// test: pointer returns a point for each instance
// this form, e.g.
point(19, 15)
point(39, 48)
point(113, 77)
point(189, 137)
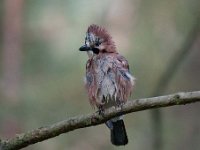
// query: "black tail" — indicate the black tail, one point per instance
point(118, 133)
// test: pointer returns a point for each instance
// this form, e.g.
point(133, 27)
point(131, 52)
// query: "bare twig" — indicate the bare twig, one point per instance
point(43, 133)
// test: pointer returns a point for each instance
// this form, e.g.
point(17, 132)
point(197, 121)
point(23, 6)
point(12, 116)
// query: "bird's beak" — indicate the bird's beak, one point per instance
point(84, 48)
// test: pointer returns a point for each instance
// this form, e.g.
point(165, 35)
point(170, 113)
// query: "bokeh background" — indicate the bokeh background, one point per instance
point(41, 69)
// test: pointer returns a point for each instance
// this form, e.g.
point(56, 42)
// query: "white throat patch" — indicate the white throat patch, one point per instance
point(90, 54)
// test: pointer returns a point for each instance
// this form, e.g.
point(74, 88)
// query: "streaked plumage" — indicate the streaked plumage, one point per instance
point(108, 80)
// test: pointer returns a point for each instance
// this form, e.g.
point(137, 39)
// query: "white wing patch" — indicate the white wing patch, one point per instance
point(132, 79)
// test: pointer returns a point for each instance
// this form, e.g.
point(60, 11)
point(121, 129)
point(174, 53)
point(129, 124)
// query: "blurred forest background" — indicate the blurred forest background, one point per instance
point(41, 69)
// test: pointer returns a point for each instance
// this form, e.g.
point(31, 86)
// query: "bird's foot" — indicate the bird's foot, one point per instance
point(101, 110)
point(120, 105)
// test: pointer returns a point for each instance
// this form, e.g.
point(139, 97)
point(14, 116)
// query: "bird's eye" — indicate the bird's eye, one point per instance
point(97, 43)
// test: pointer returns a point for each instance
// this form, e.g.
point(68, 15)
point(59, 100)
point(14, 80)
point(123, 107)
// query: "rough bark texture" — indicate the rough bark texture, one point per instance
point(43, 133)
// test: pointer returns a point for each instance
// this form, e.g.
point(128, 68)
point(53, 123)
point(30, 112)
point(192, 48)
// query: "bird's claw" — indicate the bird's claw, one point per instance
point(101, 110)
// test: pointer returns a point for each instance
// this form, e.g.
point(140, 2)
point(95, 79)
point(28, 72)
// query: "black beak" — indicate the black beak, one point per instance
point(84, 48)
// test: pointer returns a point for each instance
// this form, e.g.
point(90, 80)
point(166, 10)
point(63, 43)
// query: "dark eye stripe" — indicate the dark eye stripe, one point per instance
point(95, 50)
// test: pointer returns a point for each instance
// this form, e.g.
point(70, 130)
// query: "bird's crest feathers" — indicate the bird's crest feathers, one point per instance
point(104, 35)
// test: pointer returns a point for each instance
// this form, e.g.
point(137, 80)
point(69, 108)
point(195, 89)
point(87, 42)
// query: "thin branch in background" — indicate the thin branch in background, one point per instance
point(44, 133)
point(12, 48)
point(165, 79)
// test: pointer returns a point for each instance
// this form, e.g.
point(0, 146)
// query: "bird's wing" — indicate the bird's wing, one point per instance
point(124, 80)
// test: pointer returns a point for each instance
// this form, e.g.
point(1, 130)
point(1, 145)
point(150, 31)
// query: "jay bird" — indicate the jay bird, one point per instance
point(108, 80)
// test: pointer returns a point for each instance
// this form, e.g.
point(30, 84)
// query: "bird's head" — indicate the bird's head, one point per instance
point(98, 41)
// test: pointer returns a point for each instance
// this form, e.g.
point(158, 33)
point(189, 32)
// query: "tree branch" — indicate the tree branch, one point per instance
point(43, 133)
